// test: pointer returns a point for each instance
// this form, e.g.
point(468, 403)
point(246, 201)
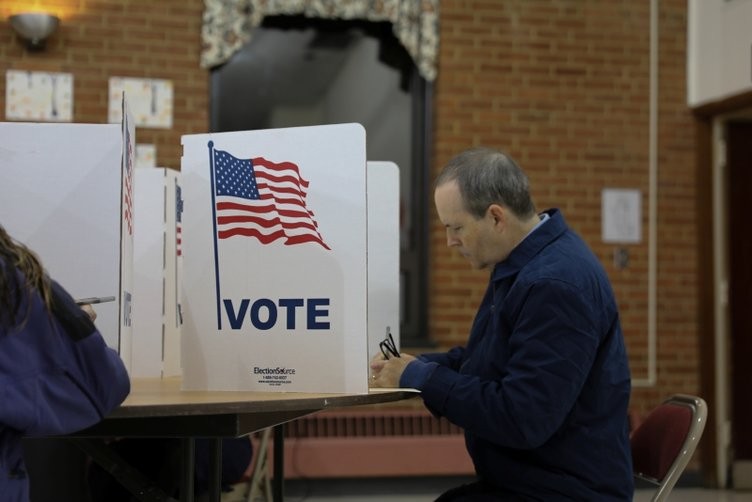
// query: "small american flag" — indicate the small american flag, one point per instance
point(178, 220)
point(262, 199)
point(128, 191)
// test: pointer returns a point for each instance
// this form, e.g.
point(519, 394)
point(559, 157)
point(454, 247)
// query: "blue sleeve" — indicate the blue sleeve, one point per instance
point(57, 374)
point(551, 350)
point(451, 358)
point(417, 373)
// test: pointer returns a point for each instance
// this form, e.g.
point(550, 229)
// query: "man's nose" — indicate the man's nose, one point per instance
point(452, 241)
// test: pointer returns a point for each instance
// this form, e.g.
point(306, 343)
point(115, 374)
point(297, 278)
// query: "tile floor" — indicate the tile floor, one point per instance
point(426, 490)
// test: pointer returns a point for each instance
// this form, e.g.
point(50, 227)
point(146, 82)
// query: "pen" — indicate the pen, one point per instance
point(95, 299)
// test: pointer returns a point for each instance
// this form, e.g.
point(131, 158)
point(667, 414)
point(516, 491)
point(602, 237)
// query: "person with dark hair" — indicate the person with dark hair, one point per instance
point(57, 374)
point(542, 387)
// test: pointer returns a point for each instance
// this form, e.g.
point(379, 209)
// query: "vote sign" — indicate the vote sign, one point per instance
point(274, 249)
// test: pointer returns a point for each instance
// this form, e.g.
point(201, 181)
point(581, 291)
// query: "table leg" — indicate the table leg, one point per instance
point(188, 465)
point(279, 463)
point(215, 472)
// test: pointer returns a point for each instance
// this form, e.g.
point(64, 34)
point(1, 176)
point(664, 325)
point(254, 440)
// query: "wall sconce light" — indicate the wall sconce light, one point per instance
point(34, 28)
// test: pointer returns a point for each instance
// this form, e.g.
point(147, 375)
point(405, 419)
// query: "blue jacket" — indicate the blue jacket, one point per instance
point(542, 387)
point(57, 376)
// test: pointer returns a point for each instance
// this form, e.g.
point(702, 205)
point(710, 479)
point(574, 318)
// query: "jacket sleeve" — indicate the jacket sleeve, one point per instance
point(418, 371)
point(552, 350)
point(451, 358)
point(57, 374)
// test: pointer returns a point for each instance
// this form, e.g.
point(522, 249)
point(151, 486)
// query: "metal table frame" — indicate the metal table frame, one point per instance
point(157, 408)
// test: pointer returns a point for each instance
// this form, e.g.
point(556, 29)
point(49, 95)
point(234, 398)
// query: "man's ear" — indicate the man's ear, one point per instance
point(497, 213)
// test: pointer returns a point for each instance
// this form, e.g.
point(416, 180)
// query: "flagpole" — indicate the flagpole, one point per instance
point(124, 134)
point(214, 222)
point(178, 218)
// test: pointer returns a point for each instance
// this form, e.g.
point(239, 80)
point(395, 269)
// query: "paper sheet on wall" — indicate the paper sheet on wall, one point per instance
point(35, 96)
point(149, 100)
point(621, 216)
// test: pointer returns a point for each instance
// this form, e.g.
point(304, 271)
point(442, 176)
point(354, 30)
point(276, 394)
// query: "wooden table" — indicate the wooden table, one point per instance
point(157, 408)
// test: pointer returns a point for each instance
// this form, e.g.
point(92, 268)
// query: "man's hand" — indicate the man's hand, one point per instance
point(386, 373)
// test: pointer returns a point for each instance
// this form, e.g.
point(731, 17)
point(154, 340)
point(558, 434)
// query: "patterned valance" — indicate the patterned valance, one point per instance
point(229, 24)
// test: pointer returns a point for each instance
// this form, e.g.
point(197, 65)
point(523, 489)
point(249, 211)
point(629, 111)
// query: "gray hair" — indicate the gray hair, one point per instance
point(486, 176)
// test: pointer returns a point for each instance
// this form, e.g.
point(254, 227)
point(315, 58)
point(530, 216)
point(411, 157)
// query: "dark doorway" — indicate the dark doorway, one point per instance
point(299, 71)
point(739, 182)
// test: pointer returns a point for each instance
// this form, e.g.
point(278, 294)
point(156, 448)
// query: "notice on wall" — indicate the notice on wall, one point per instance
point(32, 96)
point(621, 216)
point(146, 155)
point(149, 100)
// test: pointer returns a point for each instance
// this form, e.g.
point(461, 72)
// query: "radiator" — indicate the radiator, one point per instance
point(369, 424)
point(380, 442)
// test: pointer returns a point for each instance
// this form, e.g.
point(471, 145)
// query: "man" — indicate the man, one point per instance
point(542, 387)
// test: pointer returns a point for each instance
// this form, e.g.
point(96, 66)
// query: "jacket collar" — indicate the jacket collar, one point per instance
point(531, 246)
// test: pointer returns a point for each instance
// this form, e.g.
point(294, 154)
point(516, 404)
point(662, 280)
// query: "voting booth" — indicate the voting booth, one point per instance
point(270, 262)
point(66, 193)
point(383, 203)
point(157, 257)
point(274, 250)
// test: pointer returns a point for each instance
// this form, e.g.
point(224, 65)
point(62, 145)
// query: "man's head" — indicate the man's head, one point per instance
point(483, 199)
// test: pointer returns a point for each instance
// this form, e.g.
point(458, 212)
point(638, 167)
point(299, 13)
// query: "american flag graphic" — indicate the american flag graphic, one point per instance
point(127, 308)
point(128, 189)
point(178, 220)
point(262, 199)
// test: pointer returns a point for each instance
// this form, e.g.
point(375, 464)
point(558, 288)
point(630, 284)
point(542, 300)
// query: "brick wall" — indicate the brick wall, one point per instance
point(564, 86)
point(99, 39)
point(561, 84)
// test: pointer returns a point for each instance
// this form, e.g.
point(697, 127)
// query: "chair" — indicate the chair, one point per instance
point(259, 484)
point(665, 440)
